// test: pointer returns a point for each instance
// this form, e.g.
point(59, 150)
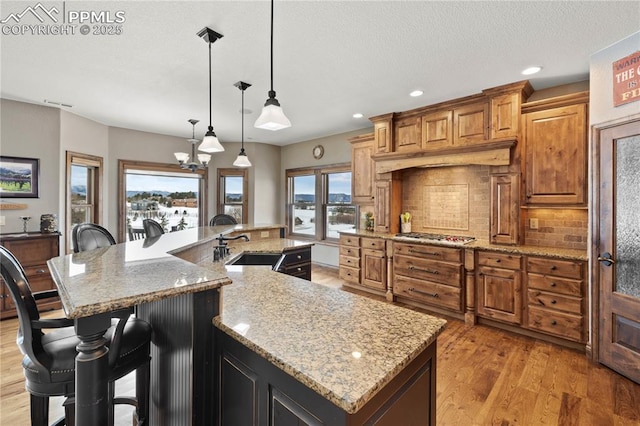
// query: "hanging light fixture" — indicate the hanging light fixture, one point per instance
point(272, 117)
point(242, 160)
point(210, 143)
point(187, 161)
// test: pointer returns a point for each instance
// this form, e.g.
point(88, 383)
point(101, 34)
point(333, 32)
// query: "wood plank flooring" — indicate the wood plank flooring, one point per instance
point(486, 376)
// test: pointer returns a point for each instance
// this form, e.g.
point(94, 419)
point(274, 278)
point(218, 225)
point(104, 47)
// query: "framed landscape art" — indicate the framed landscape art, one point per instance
point(19, 177)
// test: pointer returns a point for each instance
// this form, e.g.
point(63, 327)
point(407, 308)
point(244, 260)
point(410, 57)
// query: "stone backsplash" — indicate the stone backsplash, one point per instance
point(464, 196)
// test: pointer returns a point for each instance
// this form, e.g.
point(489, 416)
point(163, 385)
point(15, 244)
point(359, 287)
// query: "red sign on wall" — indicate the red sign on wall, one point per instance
point(626, 79)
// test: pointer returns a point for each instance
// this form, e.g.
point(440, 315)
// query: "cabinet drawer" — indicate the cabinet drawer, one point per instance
point(292, 258)
point(428, 292)
point(499, 260)
point(561, 324)
point(555, 284)
point(349, 240)
point(37, 271)
point(432, 270)
point(572, 305)
point(351, 275)
point(352, 262)
point(561, 268)
point(301, 271)
point(372, 243)
point(349, 251)
point(446, 254)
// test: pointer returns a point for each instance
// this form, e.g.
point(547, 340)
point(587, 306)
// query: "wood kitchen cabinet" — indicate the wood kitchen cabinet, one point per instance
point(374, 263)
point(387, 203)
point(383, 133)
point(556, 302)
point(349, 259)
point(555, 163)
point(408, 134)
point(362, 169)
point(363, 262)
point(437, 130)
point(504, 225)
point(499, 287)
point(429, 275)
point(471, 124)
point(32, 251)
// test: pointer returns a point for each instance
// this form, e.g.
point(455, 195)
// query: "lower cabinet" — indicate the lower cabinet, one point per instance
point(556, 299)
point(432, 275)
point(363, 262)
point(296, 263)
point(252, 391)
point(499, 287)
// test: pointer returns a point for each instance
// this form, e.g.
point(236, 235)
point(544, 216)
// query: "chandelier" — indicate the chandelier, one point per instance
point(187, 161)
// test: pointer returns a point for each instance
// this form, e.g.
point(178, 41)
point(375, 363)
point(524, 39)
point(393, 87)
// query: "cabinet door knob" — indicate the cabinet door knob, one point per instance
point(554, 267)
point(553, 302)
point(553, 322)
point(497, 260)
point(553, 284)
point(40, 271)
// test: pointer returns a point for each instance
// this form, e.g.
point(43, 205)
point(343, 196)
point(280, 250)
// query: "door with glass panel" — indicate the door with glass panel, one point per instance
point(617, 218)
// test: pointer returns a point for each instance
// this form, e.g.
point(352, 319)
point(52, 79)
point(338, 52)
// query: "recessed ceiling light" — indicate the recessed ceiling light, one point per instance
point(357, 115)
point(416, 93)
point(531, 70)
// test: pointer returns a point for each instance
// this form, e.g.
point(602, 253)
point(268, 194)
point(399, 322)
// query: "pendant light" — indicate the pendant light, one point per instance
point(210, 143)
point(184, 157)
point(272, 117)
point(242, 160)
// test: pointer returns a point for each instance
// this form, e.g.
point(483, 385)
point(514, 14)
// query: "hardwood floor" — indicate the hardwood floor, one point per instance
point(486, 376)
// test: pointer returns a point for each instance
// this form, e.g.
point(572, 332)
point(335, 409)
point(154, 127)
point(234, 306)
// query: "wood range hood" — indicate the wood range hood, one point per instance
point(494, 153)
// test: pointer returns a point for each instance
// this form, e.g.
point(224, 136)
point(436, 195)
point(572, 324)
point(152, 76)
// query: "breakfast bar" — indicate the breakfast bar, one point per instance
point(240, 344)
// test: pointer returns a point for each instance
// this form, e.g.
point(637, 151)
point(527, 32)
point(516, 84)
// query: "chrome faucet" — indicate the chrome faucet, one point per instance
point(222, 250)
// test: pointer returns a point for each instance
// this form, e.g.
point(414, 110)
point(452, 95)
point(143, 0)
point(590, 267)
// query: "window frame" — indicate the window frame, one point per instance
point(97, 164)
point(321, 198)
point(124, 165)
point(226, 172)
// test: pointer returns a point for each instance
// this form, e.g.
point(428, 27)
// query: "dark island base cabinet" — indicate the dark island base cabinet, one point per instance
point(253, 391)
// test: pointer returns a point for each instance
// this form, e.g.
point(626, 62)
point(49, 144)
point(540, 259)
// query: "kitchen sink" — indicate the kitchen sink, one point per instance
point(256, 259)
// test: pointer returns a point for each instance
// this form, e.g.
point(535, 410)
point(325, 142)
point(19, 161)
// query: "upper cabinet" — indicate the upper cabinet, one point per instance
point(382, 132)
point(555, 160)
point(471, 124)
point(437, 130)
point(362, 168)
point(407, 134)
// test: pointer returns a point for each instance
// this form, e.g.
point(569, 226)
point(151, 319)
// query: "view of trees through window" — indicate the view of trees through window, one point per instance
point(172, 201)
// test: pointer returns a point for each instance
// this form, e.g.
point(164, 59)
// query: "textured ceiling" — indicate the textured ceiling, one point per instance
point(331, 59)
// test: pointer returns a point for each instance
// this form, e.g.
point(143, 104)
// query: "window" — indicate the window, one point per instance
point(232, 193)
point(84, 176)
point(319, 202)
point(173, 197)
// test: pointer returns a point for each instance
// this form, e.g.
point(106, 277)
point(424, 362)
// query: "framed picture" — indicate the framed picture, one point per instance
point(19, 177)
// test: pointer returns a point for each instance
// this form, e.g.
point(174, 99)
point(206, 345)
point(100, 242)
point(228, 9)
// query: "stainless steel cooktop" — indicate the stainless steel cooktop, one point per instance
point(455, 239)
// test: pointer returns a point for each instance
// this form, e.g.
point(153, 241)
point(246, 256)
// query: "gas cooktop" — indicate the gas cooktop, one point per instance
point(455, 239)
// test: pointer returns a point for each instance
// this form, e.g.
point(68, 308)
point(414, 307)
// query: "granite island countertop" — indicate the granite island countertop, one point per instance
point(136, 272)
point(343, 346)
point(557, 252)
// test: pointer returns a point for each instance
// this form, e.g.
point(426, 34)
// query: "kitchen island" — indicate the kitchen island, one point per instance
point(317, 351)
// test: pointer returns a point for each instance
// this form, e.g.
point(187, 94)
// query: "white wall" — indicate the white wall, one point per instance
point(265, 185)
point(32, 131)
point(601, 107)
point(337, 149)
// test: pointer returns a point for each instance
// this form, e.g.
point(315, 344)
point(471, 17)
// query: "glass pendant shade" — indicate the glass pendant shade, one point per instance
point(242, 160)
point(204, 158)
point(210, 143)
point(272, 118)
point(182, 157)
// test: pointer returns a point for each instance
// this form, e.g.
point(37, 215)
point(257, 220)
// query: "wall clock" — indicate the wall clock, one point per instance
point(318, 152)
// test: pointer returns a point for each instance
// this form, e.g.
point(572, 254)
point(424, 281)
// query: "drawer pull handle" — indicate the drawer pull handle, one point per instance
point(426, 293)
point(40, 271)
point(554, 267)
point(299, 269)
point(553, 302)
point(430, 253)
point(428, 271)
point(497, 260)
point(553, 284)
point(299, 256)
point(606, 259)
point(553, 322)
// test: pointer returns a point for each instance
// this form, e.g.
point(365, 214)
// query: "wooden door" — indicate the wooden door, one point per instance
point(618, 251)
point(499, 294)
point(504, 225)
point(408, 134)
point(362, 169)
point(437, 130)
point(470, 124)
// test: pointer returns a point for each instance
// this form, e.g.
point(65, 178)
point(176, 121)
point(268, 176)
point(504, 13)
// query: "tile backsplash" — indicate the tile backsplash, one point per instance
point(456, 200)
